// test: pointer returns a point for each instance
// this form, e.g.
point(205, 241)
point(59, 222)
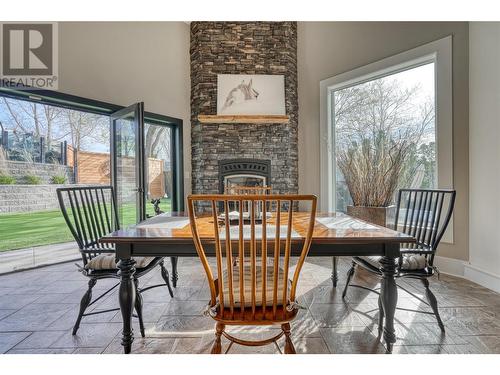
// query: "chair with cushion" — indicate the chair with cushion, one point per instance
point(425, 215)
point(90, 213)
point(256, 290)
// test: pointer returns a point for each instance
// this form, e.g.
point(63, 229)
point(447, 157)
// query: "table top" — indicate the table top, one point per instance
point(330, 228)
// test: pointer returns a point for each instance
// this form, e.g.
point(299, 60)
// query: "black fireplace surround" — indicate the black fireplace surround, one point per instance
point(254, 167)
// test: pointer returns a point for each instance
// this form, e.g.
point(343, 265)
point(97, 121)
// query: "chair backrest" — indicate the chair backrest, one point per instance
point(247, 190)
point(261, 248)
point(425, 215)
point(90, 213)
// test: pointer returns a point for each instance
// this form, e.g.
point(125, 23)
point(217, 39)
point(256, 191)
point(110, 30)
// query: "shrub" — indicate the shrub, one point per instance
point(7, 180)
point(33, 180)
point(58, 180)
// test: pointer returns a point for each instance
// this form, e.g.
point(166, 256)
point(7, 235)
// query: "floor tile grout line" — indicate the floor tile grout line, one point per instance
point(13, 312)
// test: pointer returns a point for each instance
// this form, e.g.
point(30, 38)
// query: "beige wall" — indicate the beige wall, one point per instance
point(484, 144)
point(126, 62)
point(326, 49)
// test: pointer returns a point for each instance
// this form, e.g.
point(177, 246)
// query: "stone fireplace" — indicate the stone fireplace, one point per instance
point(222, 150)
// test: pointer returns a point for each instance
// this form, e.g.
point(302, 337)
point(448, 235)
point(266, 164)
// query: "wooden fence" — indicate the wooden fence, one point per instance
point(94, 168)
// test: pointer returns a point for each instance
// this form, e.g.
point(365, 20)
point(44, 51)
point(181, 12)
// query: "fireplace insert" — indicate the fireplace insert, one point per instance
point(244, 172)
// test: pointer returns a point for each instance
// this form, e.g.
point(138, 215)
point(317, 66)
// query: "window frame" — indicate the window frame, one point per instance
point(440, 53)
point(78, 103)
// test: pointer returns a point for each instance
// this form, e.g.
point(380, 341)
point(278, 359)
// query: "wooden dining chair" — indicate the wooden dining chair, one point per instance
point(90, 213)
point(247, 190)
point(425, 215)
point(257, 290)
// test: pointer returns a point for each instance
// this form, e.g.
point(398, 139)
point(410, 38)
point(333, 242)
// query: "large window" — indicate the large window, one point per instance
point(50, 139)
point(387, 125)
point(385, 135)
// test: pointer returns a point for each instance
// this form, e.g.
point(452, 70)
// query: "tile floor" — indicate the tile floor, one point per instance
point(38, 308)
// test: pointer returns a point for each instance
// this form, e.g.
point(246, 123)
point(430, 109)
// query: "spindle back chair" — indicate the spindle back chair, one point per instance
point(424, 214)
point(90, 213)
point(247, 190)
point(255, 290)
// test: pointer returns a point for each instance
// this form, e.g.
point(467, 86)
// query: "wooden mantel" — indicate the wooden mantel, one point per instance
point(244, 119)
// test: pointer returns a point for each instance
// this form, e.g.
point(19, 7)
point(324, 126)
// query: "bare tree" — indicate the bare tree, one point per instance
point(33, 118)
point(54, 123)
point(17, 121)
point(51, 115)
point(84, 128)
point(157, 145)
point(377, 127)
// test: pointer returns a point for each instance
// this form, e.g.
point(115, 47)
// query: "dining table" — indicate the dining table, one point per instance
point(335, 234)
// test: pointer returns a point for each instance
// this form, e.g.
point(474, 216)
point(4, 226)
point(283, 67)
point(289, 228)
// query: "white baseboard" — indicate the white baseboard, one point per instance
point(460, 268)
point(487, 279)
point(450, 266)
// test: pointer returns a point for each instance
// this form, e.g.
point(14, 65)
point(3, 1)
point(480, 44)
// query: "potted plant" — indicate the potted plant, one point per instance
point(371, 175)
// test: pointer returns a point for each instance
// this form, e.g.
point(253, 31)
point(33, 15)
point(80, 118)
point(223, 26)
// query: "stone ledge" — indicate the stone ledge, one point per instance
point(29, 198)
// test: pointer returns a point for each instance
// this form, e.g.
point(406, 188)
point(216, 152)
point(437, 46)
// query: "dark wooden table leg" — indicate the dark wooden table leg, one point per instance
point(126, 294)
point(389, 299)
point(335, 274)
point(175, 275)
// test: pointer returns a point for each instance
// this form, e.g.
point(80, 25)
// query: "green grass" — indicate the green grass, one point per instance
point(21, 230)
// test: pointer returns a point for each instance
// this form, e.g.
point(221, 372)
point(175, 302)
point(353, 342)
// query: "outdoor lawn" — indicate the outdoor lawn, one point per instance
point(24, 230)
